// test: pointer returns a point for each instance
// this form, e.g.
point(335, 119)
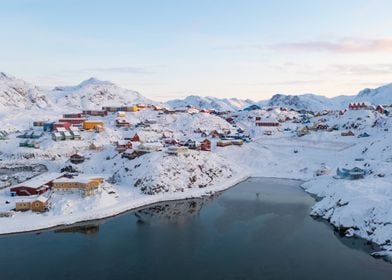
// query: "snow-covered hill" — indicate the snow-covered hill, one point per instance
point(16, 93)
point(93, 94)
point(309, 102)
point(380, 95)
point(220, 105)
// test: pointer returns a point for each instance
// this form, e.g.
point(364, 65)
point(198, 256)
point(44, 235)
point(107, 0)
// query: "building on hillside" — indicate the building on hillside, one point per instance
point(92, 124)
point(347, 133)
point(97, 113)
point(48, 126)
point(192, 144)
point(121, 122)
point(121, 114)
point(95, 146)
point(351, 174)
point(135, 138)
point(237, 142)
point(149, 147)
point(38, 123)
point(359, 106)
point(363, 134)
point(85, 184)
point(123, 145)
point(40, 204)
point(77, 158)
point(171, 142)
point(73, 121)
point(72, 115)
point(176, 150)
point(58, 136)
point(36, 185)
point(205, 145)
point(380, 109)
point(65, 125)
point(267, 122)
point(133, 108)
point(224, 143)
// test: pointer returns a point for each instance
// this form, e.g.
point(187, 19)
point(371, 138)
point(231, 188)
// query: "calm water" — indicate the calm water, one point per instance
point(260, 229)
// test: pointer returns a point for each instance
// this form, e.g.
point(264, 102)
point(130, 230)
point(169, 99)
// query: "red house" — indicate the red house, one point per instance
point(206, 145)
point(66, 125)
point(135, 138)
point(36, 185)
point(123, 145)
point(267, 122)
point(73, 120)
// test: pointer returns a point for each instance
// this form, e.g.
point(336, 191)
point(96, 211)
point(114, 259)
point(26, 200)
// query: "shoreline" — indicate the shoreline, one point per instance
point(141, 202)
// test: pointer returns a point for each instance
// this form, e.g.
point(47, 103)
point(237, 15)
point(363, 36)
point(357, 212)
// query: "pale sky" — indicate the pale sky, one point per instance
point(169, 49)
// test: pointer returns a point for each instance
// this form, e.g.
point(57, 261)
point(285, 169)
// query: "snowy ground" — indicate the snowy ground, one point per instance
point(358, 208)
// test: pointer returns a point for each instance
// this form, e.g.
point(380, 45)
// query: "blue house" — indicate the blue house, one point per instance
point(48, 126)
point(350, 174)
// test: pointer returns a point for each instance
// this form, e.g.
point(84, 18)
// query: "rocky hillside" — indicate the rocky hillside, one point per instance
point(220, 105)
point(16, 93)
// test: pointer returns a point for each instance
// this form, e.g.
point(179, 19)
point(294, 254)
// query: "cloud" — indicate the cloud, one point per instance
point(362, 69)
point(344, 45)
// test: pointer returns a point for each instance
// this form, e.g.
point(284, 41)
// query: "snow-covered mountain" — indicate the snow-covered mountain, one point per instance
point(218, 104)
point(93, 94)
point(380, 95)
point(307, 102)
point(16, 93)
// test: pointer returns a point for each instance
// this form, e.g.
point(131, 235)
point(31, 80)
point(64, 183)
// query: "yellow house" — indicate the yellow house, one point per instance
point(92, 124)
point(87, 186)
point(134, 108)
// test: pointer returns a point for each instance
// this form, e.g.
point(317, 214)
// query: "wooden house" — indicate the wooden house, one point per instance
point(149, 147)
point(121, 122)
point(95, 146)
point(351, 174)
point(48, 126)
point(85, 184)
point(380, 109)
point(267, 122)
point(23, 205)
point(205, 145)
point(176, 150)
point(36, 185)
point(135, 138)
point(216, 134)
point(98, 113)
point(92, 124)
point(192, 144)
point(224, 143)
point(40, 204)
point(77, 158)
point(348, 133)
point(65, 125)
point(71, 116)
point(132, 154)
point(123, 145)
point(73, 121)
point(237, 142)
point(171, 142)
point(57, 136)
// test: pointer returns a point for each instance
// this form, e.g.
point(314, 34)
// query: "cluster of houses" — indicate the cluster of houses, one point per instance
point(37, 191)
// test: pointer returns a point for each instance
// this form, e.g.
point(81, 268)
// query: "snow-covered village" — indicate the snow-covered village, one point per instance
point(96, 150)
point(195, 140)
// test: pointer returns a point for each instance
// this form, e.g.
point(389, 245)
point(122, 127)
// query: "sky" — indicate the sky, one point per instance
point(223, 48)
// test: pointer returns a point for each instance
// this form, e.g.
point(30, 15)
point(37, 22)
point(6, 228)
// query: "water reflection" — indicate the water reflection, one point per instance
point(174, 212)
point(91, 229)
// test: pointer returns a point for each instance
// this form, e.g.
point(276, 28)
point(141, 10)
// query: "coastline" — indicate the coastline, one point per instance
point(9, 226)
